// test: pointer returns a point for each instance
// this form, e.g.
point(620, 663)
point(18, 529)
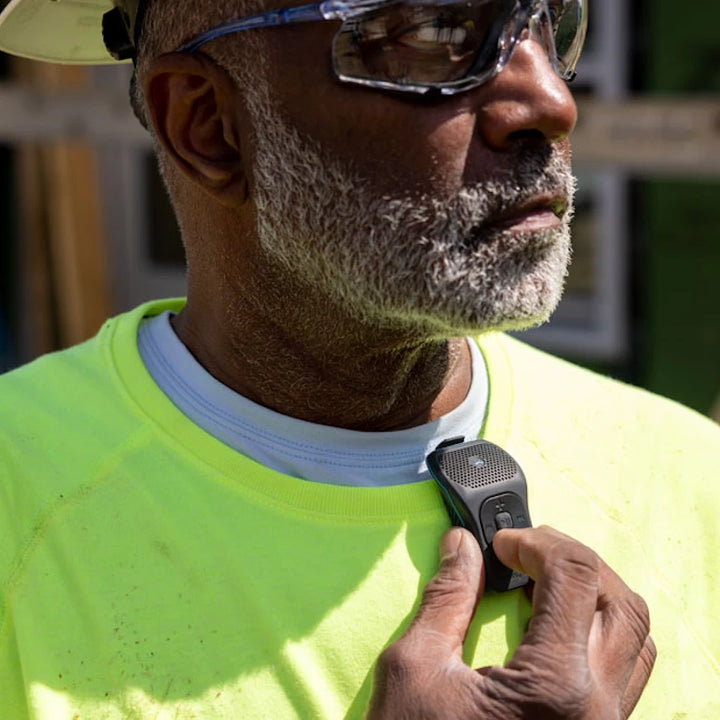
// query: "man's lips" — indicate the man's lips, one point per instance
point(543, 213)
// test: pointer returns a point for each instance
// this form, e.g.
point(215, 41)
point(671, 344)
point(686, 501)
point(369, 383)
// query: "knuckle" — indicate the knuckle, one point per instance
point(571, 559)
point(637, 614)
point(640, 611)
point(649, 654)
point(558, 554)
point(546, 686)
point(394, 662)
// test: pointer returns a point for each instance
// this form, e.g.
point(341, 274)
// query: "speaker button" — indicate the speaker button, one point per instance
point(503, 520)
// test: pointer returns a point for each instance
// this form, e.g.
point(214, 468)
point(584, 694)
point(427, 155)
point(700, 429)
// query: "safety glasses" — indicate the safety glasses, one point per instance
point(443, 46)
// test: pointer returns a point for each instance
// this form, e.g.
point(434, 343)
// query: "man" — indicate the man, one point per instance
point(220, 508)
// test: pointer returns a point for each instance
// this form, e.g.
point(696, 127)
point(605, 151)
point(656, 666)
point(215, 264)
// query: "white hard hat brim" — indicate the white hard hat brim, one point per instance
point(63, 31)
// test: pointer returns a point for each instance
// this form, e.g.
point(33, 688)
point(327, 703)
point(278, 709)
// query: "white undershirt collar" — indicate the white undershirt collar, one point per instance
point(319, 453)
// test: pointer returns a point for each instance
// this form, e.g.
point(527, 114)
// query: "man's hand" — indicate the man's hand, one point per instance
point(587, 654)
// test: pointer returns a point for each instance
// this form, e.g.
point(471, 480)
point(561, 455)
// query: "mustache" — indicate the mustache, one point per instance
point(528, 178)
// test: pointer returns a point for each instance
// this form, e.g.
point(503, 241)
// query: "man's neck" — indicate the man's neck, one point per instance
point(327, 370)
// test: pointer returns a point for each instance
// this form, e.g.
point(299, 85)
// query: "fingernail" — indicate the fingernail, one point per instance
point(450, 544)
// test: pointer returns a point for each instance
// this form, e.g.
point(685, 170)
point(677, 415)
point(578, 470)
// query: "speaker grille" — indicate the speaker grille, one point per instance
point(478, 466)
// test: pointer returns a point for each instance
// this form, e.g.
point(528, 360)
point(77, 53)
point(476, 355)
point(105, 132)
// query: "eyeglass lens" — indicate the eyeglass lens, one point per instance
point(426, 44)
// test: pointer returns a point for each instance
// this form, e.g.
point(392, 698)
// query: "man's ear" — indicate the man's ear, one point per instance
point(193, 110)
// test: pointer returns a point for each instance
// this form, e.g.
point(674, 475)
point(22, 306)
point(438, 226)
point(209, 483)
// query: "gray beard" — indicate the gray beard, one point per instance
point(421, 264)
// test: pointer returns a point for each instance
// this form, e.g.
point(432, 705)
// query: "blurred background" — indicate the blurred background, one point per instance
point(86, 230)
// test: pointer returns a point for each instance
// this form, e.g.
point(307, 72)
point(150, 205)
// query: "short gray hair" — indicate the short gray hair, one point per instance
point(166, 25)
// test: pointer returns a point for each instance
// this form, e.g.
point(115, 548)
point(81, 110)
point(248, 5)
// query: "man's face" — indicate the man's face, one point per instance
point(446, 217)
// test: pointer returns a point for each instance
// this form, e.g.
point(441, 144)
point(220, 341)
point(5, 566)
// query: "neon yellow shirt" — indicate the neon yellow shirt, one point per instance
point(148, 571)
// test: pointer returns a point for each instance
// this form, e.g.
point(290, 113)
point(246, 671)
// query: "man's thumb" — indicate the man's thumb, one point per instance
point(450, 598)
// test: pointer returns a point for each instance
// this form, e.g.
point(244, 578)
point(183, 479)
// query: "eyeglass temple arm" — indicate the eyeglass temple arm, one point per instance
point(326, 10)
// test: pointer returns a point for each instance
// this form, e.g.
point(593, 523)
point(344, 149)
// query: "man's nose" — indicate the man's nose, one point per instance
point(526, 102)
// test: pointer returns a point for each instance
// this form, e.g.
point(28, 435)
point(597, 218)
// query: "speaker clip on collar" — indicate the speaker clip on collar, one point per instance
point(484, 490)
